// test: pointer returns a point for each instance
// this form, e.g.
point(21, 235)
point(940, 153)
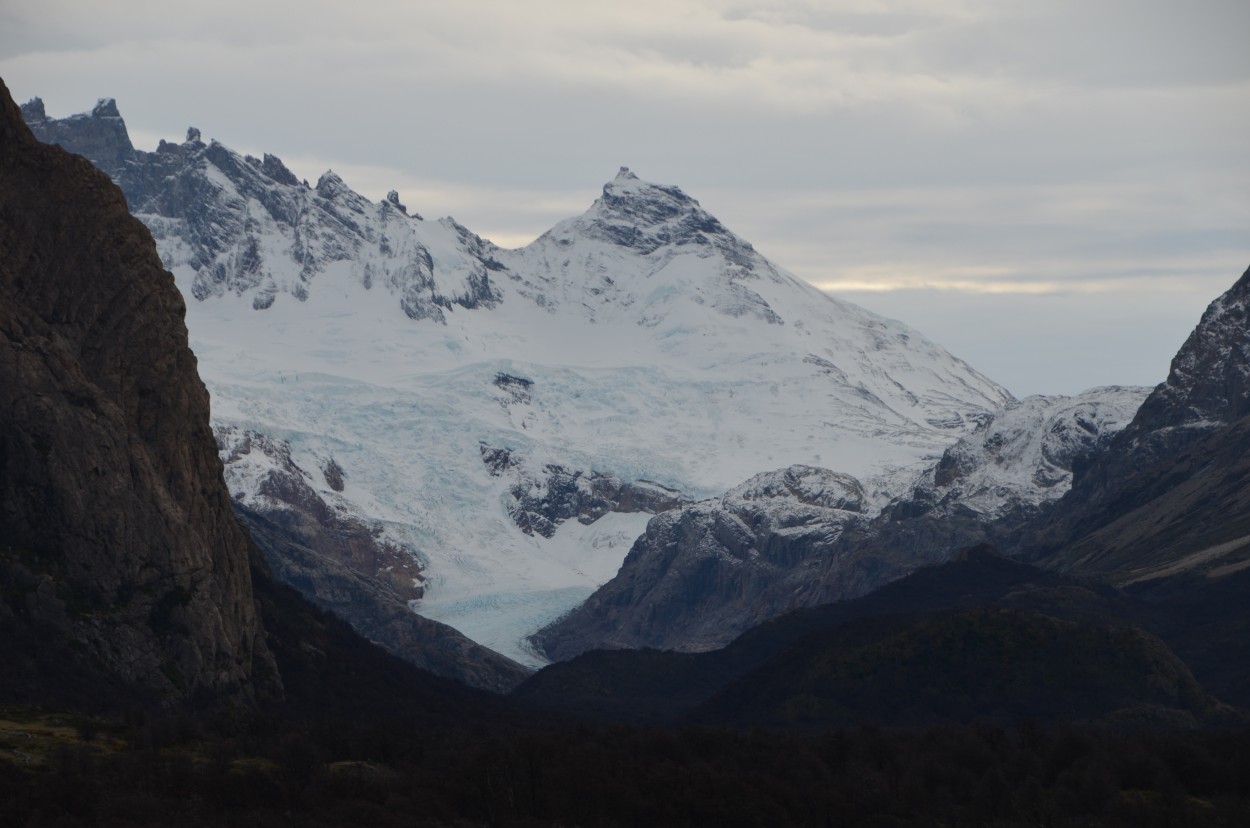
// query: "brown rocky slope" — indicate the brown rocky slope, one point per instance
point(116, 533)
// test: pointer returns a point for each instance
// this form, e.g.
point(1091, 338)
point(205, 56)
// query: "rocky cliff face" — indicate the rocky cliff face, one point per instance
point(376, 609)
point(1171, 491)
point(1209, 381)
point(100, 135)
point(115, 527)
point(1208, 387)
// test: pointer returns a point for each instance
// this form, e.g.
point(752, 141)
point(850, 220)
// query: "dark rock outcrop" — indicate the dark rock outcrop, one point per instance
point(115, 527)
point(1172, 490)
point(542, 500)
point(100, 136)
point(1188, 516)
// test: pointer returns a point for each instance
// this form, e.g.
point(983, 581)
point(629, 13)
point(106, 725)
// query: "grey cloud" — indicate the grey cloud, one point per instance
point(1110, 42)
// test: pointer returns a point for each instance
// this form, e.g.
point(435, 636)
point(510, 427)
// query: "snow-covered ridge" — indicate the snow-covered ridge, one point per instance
point(647, 341)
point(800, 536)
point(1025, 454)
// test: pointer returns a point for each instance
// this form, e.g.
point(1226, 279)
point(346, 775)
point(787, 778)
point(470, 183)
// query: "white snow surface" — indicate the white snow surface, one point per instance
point(659, 345)
point(1024, 455)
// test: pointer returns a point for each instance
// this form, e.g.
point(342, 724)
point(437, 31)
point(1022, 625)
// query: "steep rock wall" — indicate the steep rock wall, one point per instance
point(115, 526)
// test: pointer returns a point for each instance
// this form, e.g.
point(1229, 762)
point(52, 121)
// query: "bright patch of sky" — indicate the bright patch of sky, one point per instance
point(1054, 191)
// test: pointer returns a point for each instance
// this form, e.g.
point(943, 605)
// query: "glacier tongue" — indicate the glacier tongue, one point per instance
point(503, 618)
point(645, 341)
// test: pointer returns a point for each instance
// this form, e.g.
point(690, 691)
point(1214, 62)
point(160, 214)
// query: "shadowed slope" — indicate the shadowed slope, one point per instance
point(115, 526)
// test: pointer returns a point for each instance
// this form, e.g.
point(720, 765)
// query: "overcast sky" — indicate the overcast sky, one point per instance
point(1052, 190)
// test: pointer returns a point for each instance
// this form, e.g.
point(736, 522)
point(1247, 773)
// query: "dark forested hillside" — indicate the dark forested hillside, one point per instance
point(1026, 639)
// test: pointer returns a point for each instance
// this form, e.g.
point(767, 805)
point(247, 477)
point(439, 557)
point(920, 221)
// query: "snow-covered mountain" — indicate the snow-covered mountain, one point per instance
point(472, 399)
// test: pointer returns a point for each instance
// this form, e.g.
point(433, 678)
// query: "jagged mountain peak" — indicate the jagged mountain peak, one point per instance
point(331, 184)
point(273, 167)
point(106, 108)
point(628, 187)
point(651, 255)
point(643, 216)
point(392, 198)
point(1209, 380)
point(33, 110)
point(1170, 484)
point(99, 135)
point(234, 225)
